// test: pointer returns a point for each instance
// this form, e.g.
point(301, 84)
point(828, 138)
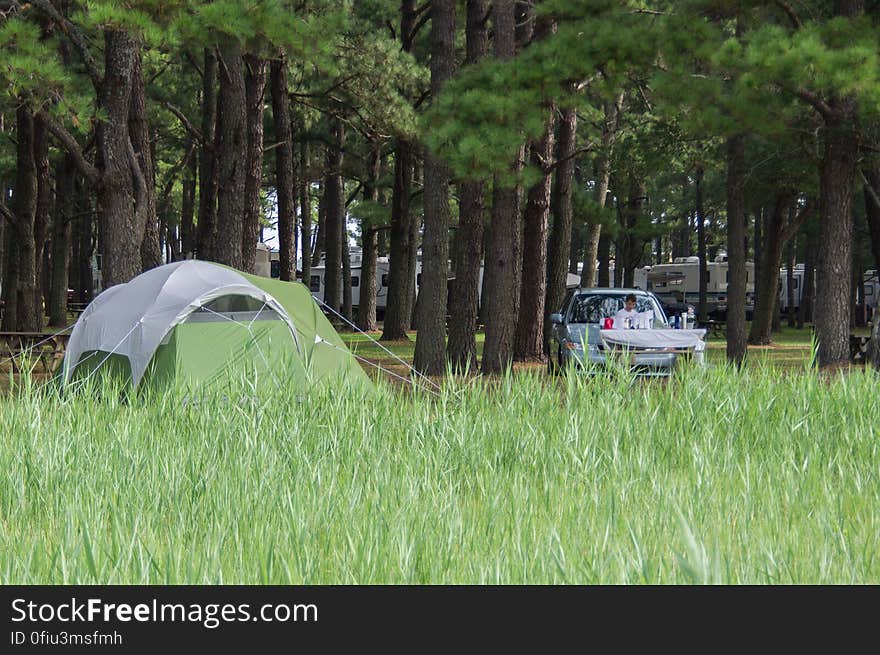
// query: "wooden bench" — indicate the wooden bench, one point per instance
point(46, 347)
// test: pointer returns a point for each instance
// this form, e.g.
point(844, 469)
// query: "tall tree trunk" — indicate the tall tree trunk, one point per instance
point(232, 157)
point(630, 246)
point(768, 285)
point(284, 170)
point(529, 335)
point(10, 277)
point(19, 279)
point(703, 306)
point(305, 210)
point(610, 126)
point(41, 215)
point(559, 244)
point(398, 305)
point(255, 88)
point(65, 208)
point(501, 258)
point(832, 312)
point(836, 229)
point(121, 217)
point(320, 227)
point(187, 208)
point(151, 251)
point(603, 254)
point(431, 339)
point(758, 245)
point(207, 228)
point(335, 217)
point(401, 266)
point(736, 252)
point(346, 308)
point(681, 237)
point(366, 313)
point(465, 297)
point(86, 241)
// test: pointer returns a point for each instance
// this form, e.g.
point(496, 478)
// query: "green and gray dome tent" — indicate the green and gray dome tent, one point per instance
point(197, 321)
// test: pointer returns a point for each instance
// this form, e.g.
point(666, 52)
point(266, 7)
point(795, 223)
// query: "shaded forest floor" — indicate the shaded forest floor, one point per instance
point(790, 349)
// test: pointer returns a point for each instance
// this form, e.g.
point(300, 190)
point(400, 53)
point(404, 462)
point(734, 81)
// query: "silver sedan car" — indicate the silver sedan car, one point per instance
point(575, 339)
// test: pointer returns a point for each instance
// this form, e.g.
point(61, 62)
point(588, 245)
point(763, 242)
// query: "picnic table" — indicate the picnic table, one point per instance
point(716, 328)
point(47, 347)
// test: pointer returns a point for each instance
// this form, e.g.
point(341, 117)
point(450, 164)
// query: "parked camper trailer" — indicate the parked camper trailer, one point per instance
point(678, 283)
point(797, 287)
point(316, 281)
point(267, 265)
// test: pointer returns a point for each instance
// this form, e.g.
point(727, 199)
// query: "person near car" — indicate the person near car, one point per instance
point(626, 317)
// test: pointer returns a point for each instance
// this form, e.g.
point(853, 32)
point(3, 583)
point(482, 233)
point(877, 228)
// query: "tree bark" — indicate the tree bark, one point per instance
point(284, 170)
point(401, 273)
point(65, 208)
point(630, 247)
point(187, 208)
point(758, 244)
point(19, 288)
point(529, 335)
point(559, 244)
point(702, 304)
point(121, 217)
point(305, 210)
point(610, 126)
point(207, 227)
point(335, 217)
point(736, 252)
point(604, 256)
point(255, 88)
point(151, 250)
point(346, 309)
point(320, 226)
point(10, 277)
point(501, 258)
point(232, 157)
point(41, 215)
point(777, 232)
point(832, 312)
point(366, 313)
point(431, 339)
point(398, 305)
point(838, 170)
point(465, 296)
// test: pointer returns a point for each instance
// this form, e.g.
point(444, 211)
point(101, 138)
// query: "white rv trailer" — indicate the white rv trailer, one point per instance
point(316, 281)
point(679, 282)
point(797, 284)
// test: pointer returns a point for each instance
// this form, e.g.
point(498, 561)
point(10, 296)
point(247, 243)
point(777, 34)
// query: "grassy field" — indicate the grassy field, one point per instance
point(759, 476)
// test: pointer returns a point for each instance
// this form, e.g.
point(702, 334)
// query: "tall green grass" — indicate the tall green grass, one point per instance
point(713, 476)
